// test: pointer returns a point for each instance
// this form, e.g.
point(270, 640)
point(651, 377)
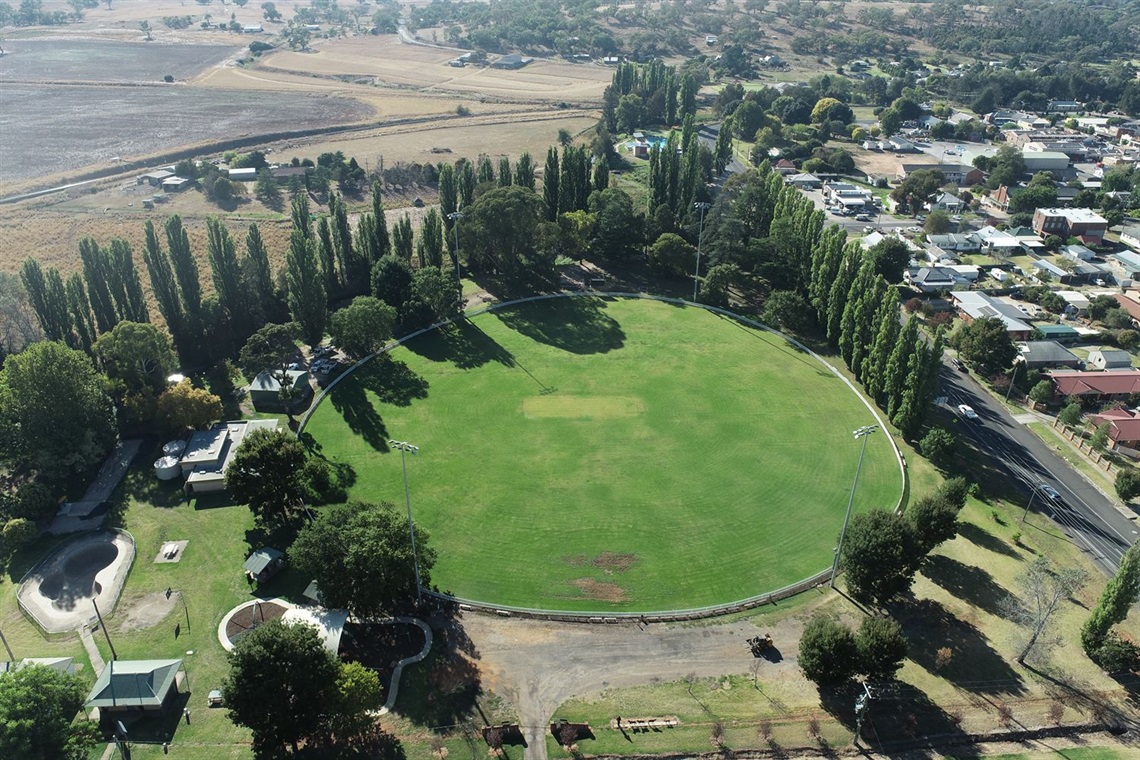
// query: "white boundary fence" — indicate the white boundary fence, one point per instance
point(696, 613)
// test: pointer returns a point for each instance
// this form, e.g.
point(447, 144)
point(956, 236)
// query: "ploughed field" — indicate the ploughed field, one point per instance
point(78, 60)
point(590, 454)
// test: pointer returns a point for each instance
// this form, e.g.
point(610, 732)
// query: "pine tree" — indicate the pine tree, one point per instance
point(524, 172)
point(51, 314)
point(162, 282)
point(306, 282)
point(98, 291)
point(550, 184)
point(402, 236)
point(82, 323)
point(504, 171)
point(185, 267)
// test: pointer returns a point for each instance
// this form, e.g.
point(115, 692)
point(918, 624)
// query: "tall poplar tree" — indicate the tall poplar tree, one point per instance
point(162, 282)
point(126, 288)
point(886, 331)
point(524, 172)
point(98, 290)
point(899, 364)
point(465, 176)
point(225, 272)
point(306, 282)
point(258, 273)
point(402, 236)
point(505, 171)
point(51, 313)
point(827, 257)
point(82, 323)
point(185, 267)
point(431, 238)
point(327, 255)
point(485, 171)
point(382, 245)
point(837, 298)
point(550, 184)
point(448, 193)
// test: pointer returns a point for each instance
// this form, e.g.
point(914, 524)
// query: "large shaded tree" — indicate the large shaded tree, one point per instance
point(361, 557)
point(363, 327)
point(37, 709)
point(54, 414)
point(271, 349)
point(985, 343)
point(265, 474)
point(138, 355)
point(880, 556)
point(498, 234)
point(828, 653)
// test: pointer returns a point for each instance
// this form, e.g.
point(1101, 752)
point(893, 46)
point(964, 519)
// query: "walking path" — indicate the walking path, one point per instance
point(97, 663)
point(394, 688)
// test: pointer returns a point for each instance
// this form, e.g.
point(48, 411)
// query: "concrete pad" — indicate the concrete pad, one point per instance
point(176, 546)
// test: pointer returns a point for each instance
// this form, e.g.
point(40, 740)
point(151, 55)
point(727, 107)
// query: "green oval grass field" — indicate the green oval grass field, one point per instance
point(612, 455)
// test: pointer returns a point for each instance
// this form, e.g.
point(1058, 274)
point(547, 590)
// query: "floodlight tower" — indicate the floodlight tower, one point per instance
point(702, 206)
point(864, 433)
point(405, 449)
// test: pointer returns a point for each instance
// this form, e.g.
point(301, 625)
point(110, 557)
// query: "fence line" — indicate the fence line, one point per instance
point(616, 617)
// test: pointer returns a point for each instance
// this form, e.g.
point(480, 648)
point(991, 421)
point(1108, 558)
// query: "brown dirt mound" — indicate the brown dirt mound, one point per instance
point(614, 563)
point(600, 590)
point(575, 560)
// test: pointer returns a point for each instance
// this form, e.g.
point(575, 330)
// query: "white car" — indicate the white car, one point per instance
point(967, 411)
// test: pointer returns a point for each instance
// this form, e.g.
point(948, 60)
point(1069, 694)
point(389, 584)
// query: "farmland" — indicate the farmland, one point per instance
point(54, 60)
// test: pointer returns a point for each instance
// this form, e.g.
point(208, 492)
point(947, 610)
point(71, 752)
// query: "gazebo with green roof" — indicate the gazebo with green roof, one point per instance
point(127, 687)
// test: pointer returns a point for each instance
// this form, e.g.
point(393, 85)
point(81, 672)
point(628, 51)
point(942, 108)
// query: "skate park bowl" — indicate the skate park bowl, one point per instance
point(61, 591)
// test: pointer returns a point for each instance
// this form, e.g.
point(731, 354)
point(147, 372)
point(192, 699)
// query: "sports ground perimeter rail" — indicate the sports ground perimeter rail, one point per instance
point(696, 613)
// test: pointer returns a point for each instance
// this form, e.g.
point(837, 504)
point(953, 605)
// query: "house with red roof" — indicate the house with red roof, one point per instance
point(1112, 385)
point(1123, 427)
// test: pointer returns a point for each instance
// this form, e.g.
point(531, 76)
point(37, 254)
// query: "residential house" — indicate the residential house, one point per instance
point(898, 144)
point(955, 242)
point(954, 174)
point(1130, 236)
point(155, 178)
point(805, 181)
point(1047, 270)
point(285, 174)
point(1110, 385)
point(1076, 304)
point(1042, 354)
point(1028, 239)
point(127, 688)
point(973, 305)
point(785, 167)
point(946, 202)
point(1082, 223)
point(968, 272)
point(934, 279)
point(997, 242)
point(1109, 358)
point(176, 184)
point(264, 563)
point(1123, 430)
point(1129, 300)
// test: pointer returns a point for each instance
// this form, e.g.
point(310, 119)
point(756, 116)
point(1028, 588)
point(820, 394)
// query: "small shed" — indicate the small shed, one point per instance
point(264, 563)
point(265, 390)
point(176, 184)
point(247, 174)
point(1109, 358)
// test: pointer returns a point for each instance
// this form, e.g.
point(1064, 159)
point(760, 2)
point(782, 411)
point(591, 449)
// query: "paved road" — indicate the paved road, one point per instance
point(1089, 518)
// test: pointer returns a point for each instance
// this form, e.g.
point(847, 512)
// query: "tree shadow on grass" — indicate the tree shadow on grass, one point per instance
point(910, 721)
point(577, 325)
point(444, 689)
point(391, 381)
point(463, 344)
point(973, 664)
point(971, 584)
point(984, 540)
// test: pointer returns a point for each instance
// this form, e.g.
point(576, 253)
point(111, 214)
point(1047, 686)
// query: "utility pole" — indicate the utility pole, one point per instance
point(1012, 377)
point(864, 433)
point(11, 656)
point(405, 449)
point(700, 235)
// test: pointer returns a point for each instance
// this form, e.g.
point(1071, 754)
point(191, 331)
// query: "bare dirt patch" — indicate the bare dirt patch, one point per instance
point(600, 590)
point(614, 563)
point(575, 560)
point(149, 610)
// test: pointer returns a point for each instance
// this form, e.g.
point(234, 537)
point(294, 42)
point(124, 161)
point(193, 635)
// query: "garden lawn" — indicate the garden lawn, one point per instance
point(590, 454)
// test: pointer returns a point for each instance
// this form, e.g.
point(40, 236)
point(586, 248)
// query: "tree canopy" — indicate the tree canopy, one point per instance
point(54, 414)
point(986, 344)
point(361, 557)
point(37, 708)
point(363, 327)
point(265, 473)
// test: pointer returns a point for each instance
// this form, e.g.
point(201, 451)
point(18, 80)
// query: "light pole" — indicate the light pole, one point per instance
point(455, 216)
point(405, 449)
point(1032, 496)
point(864, 433)
point(700, 235)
